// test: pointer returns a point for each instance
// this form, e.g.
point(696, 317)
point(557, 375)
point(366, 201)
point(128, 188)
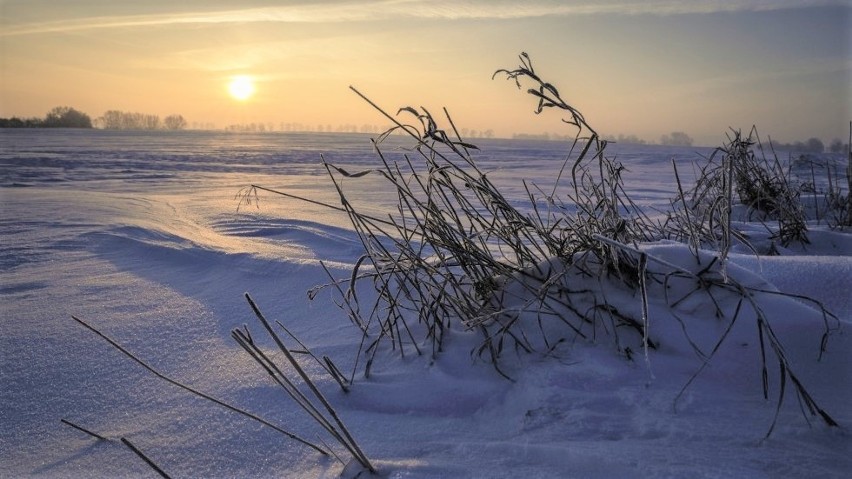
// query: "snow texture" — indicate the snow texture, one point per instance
point(139, 235)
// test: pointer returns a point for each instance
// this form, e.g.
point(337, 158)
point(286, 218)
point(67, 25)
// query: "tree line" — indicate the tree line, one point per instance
point(813, 145)
point(124, 120)
point(679, 138)
point(67, 117)
point(59, 117)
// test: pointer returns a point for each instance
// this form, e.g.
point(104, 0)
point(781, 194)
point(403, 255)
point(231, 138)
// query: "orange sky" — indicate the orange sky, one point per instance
point(632, 66)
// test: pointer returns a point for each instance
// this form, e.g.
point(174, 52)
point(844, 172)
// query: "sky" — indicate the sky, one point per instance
point(633, 67)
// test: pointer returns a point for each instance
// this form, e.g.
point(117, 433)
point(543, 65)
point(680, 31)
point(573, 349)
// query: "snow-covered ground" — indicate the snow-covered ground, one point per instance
point(139, 235)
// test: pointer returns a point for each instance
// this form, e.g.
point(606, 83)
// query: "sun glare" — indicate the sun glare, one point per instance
point(241, 87)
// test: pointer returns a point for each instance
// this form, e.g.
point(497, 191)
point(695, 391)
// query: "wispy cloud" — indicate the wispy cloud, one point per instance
point(375, 10)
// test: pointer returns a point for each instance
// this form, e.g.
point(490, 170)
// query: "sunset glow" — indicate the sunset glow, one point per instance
point(634, 67)
point(241, 87)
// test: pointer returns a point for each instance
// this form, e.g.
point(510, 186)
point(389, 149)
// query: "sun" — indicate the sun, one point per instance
point(241, 87)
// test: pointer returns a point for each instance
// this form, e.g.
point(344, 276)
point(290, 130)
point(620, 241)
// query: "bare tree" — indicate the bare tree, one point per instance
point(174, 122)
point(67, 117)
point(676, 138)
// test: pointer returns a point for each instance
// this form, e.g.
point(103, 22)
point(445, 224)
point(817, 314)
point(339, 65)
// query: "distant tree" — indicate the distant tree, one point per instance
point(66, 117)
point(630, 140)
point(151, 122)
point(676, 138)
point(135, 121)
point(174, 122)
point(111, 120)
point(16, 122)
point(814, 145)
point(837, 146)
point(122, 120)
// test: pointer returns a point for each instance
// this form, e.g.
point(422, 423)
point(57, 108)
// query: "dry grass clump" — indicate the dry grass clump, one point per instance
point(456, 251)
point(827, 201)
point(763, 186)
point(741, 180)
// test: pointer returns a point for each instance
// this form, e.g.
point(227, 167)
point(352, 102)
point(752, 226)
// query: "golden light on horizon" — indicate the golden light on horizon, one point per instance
point(241, 87)
point(256, 56)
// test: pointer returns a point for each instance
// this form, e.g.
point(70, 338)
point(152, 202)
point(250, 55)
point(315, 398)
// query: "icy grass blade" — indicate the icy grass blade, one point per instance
point(124, 441)
point(82, 429)
point(346, 440)
point(643, 288)
point(145, 458)
point(325, 363)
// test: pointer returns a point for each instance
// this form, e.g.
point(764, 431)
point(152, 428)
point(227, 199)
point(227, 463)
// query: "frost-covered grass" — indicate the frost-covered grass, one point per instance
point(555, 329)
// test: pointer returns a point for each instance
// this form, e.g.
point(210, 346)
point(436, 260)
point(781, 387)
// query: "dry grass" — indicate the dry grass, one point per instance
point(458, 252)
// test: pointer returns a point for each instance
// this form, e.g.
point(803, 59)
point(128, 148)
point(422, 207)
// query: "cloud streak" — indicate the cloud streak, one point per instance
point(383, 10)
